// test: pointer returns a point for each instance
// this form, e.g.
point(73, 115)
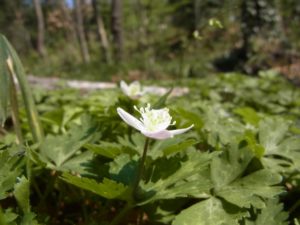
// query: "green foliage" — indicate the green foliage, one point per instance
point(9, 172)
point(249, 115)
point(108, 188)
point(271, 214)
point(250, 190)
point(231, 184)
point(62, 152)
point(238, 165)
point(4, 82)
point(18, 72)
point(106, 149)
point(7, 217)
point(176, 177)
point(21, 193)
point(209, 212)
point(280, 149)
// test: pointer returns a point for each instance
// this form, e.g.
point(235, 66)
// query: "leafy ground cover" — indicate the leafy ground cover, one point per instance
point(239, 164)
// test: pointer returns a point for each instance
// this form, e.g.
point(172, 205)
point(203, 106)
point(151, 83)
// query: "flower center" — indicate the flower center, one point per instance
point(155, 120)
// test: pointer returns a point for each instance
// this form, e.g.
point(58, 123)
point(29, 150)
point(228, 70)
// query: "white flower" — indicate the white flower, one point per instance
point(133, 90)
point(153, 123)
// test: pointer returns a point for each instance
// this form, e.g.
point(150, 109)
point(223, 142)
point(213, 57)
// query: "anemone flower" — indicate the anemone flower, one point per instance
point(153, 123)
point(133, 90)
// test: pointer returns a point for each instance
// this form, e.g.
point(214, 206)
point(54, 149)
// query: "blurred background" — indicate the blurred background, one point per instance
point(110, 40)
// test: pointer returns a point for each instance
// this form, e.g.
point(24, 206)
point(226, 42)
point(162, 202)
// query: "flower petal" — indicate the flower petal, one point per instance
point(130, 120)
point(180, 131)
point(165, 134)
point(159, 135)
point(124, 87)
point(135, 83)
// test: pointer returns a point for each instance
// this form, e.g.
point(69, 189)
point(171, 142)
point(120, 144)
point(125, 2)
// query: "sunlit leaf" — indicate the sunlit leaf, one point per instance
point(9, 171)
point(21, 192)
point(55, 151)
point(107, 188)
point(208, 212)
point(175, 177)
point(272, 214)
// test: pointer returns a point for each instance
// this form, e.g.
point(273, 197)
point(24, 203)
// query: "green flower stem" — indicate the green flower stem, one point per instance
point(121, 215)
point(135, 192)
point(29, 105)
point(15, 108)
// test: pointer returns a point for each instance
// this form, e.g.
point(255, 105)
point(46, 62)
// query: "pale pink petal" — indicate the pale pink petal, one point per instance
point(130, 120)
point(159, 135)
point(165, 134)
point(180, 131)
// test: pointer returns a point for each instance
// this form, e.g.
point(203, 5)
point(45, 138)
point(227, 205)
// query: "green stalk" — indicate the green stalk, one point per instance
point(121, 215)
point(15, 107)
point(15, 115)
point(135, 192)
point(29, 104)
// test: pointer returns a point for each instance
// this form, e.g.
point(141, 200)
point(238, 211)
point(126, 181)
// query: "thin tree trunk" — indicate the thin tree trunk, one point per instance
point(117, 30)
point(71, 35)
point(80, 30)
point(102, 33)
point(41, 28)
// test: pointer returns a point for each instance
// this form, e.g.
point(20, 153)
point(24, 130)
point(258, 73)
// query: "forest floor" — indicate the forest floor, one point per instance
point(50, 83)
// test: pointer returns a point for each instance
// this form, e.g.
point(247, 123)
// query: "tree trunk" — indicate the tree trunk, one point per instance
point(102, 33)
point(41, 28)
point(80, 30)
point(71, 33)
point(117, 31)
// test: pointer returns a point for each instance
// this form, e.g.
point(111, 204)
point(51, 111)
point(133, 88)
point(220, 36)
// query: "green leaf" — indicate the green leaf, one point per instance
point(252, 189)
point(249, 115)
point(162, 101)
point(220, 127)
point(272, 214)
point(29, 219)
point(22, 195)
point(7, 217)
point(171, 146)
point(123, 169)
point(9, 171)
point(208, 212)
point(56, 151)
point(271, 132)
point(257, 148)
point(230, 165)
point(214, 22)
point(230, 183)
point(178, 177)
point(32, 115)
point(108, 188)
point(193, 117)
point(106, 149)
point(70, 112)
point(282, 152)
point(178, 147)
point(4, 82)
point(21, 192)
